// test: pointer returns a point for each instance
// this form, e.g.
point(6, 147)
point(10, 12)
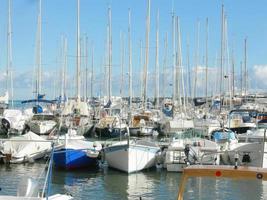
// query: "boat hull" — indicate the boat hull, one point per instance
point(109, 133)
point(131, 158)
point(73, 159)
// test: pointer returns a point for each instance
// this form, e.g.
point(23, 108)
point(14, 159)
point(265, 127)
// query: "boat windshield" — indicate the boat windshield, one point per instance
point(224, 135)
point(43, 117)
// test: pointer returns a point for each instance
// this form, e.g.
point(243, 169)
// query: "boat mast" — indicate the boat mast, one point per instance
point(122, 63)
point(146, 56)
point(173, 58)
point(180, 68)
point(110, 54)
point(62, 59)
point(9, 54)
point(207, 37)
point(221, 59)
point(92, 73)
point(188, 94)
point(233, 74)
point(165, 64)
point(39, 51)
point(196, 59)
point(141, 70)
point(245, 67)
point(78, 73)
point(130, 59)
point(157, 65)
point(86, 68)
point(65, 67)
point(241, 78)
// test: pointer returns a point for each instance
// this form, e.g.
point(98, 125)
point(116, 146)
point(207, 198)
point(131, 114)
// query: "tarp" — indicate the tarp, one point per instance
point(22, 149)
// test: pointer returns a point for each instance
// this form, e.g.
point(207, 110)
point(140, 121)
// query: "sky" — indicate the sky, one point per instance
point(246, 19)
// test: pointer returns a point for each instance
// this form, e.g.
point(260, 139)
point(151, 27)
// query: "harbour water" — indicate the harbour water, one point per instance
point(106, 183)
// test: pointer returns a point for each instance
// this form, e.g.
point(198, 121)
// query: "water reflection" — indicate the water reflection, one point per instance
point(149, 184)
point(208, 188)
point(112, 185)
point(12, 174)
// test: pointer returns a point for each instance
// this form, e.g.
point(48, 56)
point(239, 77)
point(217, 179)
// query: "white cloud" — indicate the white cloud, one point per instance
point(259, 75)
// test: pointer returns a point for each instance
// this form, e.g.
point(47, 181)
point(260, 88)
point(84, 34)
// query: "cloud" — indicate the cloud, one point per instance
point(260, 74)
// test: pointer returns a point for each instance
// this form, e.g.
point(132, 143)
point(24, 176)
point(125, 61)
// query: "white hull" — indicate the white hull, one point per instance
point(131, 158)
point(178, 124)
point(254, 150)
point(53, 197)
point(42, 127)
point(201, 151)
point(30, 148)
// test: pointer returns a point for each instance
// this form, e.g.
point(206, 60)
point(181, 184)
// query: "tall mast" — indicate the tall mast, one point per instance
point(130, 59)
point(196, 59)
point(147, 55)
point(9, 54)
point(62, 62)
point(173, 58)
point(165, 63)
point(180, 63)
point(221, 59)
point(241, 78)
point(122, 63)
point(78, 73)
point(92, 73)
point(207, 37)
point(141, 69)
point(233, 74)
point(110, 54)
point(245, 67)
point(39, 51)
point(177, 74)
point(188, 72)
point(157, 63)
point(86, 68)
point(65, 67)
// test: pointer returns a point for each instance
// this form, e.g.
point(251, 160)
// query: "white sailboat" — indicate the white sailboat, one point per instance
point(133, 155)
point(43, 123)
point(76, 112)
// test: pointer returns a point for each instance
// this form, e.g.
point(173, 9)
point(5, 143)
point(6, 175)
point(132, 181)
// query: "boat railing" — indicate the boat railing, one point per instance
point(237, 155)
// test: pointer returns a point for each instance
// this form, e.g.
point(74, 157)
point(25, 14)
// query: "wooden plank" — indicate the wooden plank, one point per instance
point(215, 171)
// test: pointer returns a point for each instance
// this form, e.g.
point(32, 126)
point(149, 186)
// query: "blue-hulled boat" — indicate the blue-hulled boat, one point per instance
point(76, 152)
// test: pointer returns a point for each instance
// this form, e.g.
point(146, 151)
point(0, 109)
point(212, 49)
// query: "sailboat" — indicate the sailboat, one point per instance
point(76, 152)
point(133, 155)
point(12, 120)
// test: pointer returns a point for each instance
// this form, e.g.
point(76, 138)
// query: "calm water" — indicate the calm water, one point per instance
point(111, 184)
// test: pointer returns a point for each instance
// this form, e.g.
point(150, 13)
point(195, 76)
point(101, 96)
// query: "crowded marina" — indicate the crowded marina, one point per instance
point(181, 122)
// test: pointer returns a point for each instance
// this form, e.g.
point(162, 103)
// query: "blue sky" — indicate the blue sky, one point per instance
point(245, 19)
